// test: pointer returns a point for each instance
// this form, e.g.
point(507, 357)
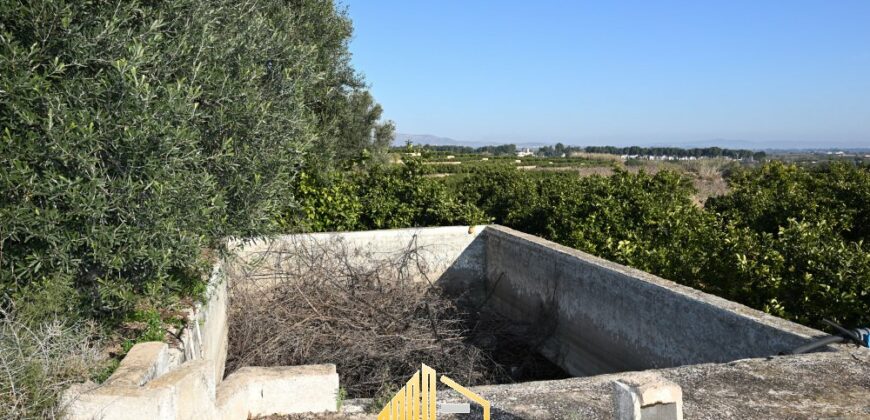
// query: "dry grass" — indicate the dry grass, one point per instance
point(706, 188)
point(37, 364)
point(706, 174)
point(605, 157)
point(595, 170)
point(707, 177)
point(707, 168)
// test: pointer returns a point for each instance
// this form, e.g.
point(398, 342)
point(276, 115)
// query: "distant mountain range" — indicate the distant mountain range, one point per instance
point(401, 138)
point(421, 139)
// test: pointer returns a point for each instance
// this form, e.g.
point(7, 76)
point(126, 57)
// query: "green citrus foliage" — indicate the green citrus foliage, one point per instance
point(795, 242)
point(786, 239)
point(382, 197)
point(646, 221)
point(134, 134)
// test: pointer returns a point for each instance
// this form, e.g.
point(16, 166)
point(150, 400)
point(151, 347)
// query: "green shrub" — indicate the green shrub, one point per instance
point(646, 221)
point(404, 197)
point(787, 240)
point(805, 272)
point(326, 203)
point(381, 197)
point(504, 194)
point(764, 199)
point(135, 134)
point(796, 242)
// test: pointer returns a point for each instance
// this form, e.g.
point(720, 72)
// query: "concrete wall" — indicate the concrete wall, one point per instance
point(605, 317)
point(600, 316)
point(597, 316)
point(454, 256)
point(206, 334)
point(185, 380)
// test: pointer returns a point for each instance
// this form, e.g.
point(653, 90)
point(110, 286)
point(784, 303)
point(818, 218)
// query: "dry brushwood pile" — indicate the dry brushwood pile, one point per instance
point(376, 319)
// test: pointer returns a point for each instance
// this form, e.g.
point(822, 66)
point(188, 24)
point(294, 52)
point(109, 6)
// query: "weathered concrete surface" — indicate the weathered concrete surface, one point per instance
point(818, 385)
point(186, 392)
point(603, 317)
point(262, 391)
point(144, 362)
point(189, 392)
point(206, 335)
point(646, 396)
point(809, 386)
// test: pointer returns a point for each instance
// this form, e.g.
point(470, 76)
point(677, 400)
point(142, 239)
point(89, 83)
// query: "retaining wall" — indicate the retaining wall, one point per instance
point(606, 317)
point(185, 379)
point(598, 317)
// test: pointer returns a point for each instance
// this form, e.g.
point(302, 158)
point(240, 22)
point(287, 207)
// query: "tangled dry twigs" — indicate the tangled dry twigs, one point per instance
point(376, 319)
point(38, 362)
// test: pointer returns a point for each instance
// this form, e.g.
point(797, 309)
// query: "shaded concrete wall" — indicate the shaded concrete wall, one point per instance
point(603, 317)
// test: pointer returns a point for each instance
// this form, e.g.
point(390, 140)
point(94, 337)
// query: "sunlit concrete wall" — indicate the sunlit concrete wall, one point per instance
point(453, 256)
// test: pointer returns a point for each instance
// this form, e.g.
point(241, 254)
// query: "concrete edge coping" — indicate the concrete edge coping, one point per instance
point(738, 309)
point(189, 391)
point(235, 244)
point(144, 362)
point(264, 391)
point(646, 395)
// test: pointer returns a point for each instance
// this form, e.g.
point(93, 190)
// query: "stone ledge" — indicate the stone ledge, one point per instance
point(189, 391)
point(647, 395)
point(144, 362)
point(262, 391)
point(817, 385)
point(186, 392)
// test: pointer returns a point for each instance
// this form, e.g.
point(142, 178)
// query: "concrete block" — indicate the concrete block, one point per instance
point(120, 402)
point(186, 392)
point(647, 397)
point(263, 391)
point(192, 390)
point(145, 361)
point(176, 358)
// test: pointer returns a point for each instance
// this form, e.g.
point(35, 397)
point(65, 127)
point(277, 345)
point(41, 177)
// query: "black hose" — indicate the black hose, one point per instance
point(818, 343)
point(846, 333)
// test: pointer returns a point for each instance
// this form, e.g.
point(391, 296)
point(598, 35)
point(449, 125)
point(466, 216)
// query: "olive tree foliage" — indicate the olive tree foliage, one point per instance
point(134, 134)
point(362, 137)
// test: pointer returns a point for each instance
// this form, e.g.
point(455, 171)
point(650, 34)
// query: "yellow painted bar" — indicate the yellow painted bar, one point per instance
point(468, 394)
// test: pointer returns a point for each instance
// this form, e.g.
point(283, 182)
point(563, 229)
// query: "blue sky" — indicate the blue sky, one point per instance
point(772, 73)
